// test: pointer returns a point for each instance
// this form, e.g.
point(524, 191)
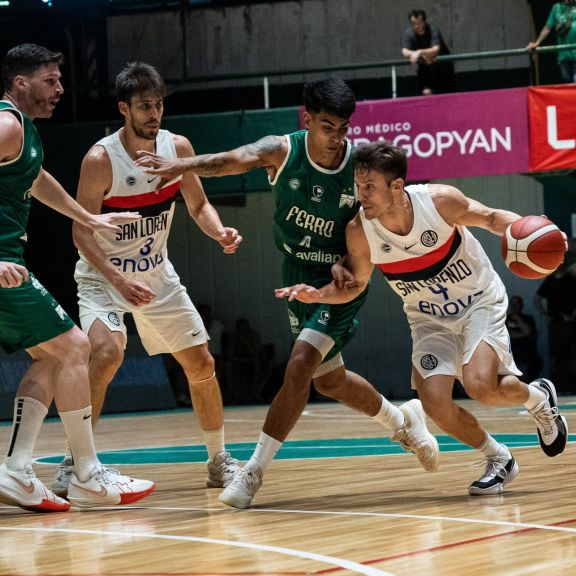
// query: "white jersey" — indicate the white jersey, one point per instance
point(440, 271)
point(140, 246)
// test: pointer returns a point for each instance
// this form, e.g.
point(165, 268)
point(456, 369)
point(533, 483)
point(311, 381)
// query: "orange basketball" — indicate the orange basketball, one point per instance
point(533, 247)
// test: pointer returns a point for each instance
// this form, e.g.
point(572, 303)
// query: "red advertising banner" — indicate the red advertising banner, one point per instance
point(552, 127)
point(451, 135)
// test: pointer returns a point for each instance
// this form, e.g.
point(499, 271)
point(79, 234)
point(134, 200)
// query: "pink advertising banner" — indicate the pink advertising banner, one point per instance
point(451, 135)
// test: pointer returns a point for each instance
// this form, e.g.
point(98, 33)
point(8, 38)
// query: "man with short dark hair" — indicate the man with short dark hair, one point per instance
point(30, 318)
point(421, 43)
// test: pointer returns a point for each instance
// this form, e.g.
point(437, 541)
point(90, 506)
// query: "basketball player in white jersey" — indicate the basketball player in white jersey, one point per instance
point(129, 271)
point(454, 301)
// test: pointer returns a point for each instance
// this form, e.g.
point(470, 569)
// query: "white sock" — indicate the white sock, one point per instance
point(214, 440)
point(265, 451)
point(78, 427)
point(29, 414)
point(389, 416)
point(535, 397)
point(492, 449)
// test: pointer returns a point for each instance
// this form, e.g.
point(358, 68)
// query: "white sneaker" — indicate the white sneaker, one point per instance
point(240, 492)
point(552, 426)
point(62, 479)
point(221, 470)
point(107, 487)
point(497, 474)
point(23, 489)
point(414, 436)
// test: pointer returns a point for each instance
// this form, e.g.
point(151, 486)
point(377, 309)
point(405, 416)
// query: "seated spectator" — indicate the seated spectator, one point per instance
point(218, 339)
point(556, 299)
point(523, 339)
point(178, 381)
point(243, 363)
point(421, 43)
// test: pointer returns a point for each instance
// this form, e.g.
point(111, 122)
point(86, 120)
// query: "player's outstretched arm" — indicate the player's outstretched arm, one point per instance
point(199, 208)
point(49, 191)
point(269, 151)
point(456, 208)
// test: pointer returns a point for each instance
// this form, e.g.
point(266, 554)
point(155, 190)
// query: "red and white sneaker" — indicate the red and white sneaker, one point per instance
point(107, 487)
point(23, 489)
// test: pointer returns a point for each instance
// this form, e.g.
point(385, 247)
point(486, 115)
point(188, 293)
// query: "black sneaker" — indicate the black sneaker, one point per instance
point(552, 426)
point(496, 475)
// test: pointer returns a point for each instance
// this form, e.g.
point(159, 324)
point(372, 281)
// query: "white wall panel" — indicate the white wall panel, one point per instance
point(314, 33)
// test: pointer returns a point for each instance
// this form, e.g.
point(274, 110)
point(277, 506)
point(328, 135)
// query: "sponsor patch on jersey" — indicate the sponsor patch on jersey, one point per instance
point(346, 200)
point(294, 184)
point(385, 247)
point(429, 362)
point(130, 180)
point(317, 193)
point(429, 238)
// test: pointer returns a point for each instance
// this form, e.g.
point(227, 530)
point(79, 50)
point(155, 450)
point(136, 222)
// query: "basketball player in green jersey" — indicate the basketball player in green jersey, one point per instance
point(30, 318)
point(311, 175)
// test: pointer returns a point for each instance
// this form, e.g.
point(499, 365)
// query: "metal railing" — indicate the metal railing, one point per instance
point(264, 76)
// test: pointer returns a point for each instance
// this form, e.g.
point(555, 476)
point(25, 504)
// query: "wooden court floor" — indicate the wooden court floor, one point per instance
point(374, 515)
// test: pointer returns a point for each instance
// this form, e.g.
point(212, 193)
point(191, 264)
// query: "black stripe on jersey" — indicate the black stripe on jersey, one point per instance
point(145, 211)
point(430, 271)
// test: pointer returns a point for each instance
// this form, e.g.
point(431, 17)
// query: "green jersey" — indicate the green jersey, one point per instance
point(16, 178)
point(313, 205)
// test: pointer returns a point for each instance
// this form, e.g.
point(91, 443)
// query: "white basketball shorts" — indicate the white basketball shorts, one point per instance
point(444, 346)
point(170, 322)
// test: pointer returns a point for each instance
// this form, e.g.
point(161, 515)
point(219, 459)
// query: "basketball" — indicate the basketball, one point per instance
point(533, 247)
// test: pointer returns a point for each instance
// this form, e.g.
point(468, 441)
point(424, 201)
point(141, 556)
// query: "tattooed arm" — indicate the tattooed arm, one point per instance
point(268, 152)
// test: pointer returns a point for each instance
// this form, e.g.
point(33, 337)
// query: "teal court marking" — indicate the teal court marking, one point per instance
point(291, 450)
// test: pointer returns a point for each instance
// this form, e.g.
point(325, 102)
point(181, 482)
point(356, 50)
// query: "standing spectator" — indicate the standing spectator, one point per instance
point(559, 290)
point(562, 19)
point(523, 339)
point(421, 43)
